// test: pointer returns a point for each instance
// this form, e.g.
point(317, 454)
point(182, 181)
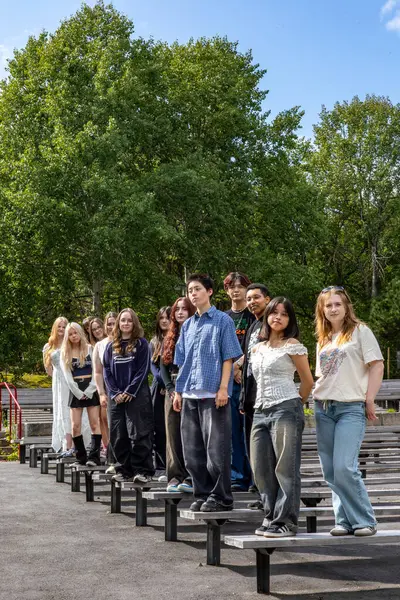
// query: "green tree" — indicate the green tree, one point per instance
point(356, 167)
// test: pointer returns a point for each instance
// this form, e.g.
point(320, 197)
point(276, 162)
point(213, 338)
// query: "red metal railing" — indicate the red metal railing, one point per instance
point(15, 410)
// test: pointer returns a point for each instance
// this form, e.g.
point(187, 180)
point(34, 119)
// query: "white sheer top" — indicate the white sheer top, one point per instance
point(273, 370)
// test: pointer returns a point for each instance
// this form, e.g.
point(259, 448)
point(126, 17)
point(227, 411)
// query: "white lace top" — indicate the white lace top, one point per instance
point(273, 370)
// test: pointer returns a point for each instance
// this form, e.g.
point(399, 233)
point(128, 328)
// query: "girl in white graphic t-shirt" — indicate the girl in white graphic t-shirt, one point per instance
point(349, 370)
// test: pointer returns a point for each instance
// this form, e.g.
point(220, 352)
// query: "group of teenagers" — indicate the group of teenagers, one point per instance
point(224, 412)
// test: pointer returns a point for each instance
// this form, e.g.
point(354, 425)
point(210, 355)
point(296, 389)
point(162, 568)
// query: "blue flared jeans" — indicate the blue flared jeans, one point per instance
point(275, 457)
point(340, 431)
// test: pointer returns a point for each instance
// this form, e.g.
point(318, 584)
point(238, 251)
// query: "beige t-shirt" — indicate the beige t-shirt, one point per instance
point(342, 371)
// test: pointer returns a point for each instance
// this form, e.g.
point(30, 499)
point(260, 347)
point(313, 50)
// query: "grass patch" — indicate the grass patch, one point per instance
point(29, 380)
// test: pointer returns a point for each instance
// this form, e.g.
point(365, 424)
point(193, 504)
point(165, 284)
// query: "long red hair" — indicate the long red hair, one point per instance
point(173, 332)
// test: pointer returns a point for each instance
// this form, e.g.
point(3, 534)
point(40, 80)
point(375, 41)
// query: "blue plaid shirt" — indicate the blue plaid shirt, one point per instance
point(205, 342)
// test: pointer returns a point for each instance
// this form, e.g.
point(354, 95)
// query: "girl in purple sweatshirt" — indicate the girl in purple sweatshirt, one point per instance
point(126, 368)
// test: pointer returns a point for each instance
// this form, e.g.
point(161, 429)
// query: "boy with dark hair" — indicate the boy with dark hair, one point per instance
point(205, 351)
point(235, 285)
point(257, 299)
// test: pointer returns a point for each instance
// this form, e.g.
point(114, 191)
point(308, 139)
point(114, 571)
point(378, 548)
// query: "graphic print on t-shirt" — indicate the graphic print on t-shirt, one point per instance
point(242, 321)
point(330, 361)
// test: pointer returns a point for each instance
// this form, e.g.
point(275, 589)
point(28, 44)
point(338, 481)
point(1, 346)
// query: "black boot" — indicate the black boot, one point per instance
point(94, 451)
point(81, 455)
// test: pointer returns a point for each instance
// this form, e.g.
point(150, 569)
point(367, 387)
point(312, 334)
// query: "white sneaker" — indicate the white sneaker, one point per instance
point(364, 531)
point(111, 470)
point(141, 478)
point(340, 530)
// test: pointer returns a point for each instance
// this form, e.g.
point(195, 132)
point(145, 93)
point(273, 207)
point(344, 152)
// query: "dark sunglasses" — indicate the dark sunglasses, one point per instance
point(339, 288)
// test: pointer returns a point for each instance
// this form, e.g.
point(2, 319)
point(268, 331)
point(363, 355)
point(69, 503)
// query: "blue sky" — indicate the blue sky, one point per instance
point(316, 51)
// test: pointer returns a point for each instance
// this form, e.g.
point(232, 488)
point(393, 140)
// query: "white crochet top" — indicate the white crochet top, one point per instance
point(273, 370)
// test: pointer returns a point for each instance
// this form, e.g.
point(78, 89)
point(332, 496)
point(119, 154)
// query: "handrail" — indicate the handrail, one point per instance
point(13, 397)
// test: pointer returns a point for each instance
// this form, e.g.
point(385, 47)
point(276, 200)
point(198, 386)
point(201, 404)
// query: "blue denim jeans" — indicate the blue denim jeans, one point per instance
point(207, 447)
point(240, 467)
point(275, 457)
point(340, 431)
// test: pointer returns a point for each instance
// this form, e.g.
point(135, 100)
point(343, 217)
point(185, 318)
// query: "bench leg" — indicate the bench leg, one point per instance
point(44, 465)
point(33, 456)
point(115, 498)
point(60, 472)
point(75, 481)
point(214, 542)
point(311, 524)
point(141, 509)
point(263, 570)
point(171, 520)
point(22, 454)
point(89, 485)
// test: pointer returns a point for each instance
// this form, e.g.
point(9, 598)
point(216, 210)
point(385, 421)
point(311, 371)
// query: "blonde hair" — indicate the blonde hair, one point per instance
point(66, 348)
point(323, 328)
point(53, 339)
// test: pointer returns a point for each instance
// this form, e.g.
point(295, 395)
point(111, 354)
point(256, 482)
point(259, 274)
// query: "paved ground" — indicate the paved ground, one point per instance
point(55, 546)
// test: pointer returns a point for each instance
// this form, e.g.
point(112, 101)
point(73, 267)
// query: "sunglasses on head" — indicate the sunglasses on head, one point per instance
point(339, 288)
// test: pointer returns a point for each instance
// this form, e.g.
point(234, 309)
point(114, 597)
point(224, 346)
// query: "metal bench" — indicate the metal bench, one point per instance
point(44, 461)
point(264, 547)
point(34, 450)
point(171, 501)
point(76, 471)
point(61, 465)
point(25, 442)
point(141, 502)
point(216, 520)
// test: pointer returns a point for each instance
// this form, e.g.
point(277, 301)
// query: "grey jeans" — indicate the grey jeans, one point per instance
point(275, 459)
point(207, 447)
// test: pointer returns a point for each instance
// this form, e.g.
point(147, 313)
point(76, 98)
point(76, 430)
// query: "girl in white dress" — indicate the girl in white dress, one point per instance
point(61, 433)
point(98, 353)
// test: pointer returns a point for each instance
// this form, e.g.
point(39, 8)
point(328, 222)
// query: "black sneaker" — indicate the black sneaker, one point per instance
point(196, 505)
point(211, 505)
point(256, 505)
point(278, 531)
point(261, 530)
point(253, 489)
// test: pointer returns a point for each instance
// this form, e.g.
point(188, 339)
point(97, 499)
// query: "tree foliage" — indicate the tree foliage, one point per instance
point(126, 163)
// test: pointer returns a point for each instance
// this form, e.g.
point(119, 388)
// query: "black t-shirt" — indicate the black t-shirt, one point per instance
point(242, 320)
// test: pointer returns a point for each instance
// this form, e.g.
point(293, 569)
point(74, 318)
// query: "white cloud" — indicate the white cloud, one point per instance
point(390, 12)
point(388, 7)
point(394, 24)
point(5, 53)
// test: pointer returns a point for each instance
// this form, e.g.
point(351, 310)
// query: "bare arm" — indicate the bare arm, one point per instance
point(49, 369)
point(237, 369)
point(221, 399)
point(375, 375)
point(98, 376)
point(306, 378)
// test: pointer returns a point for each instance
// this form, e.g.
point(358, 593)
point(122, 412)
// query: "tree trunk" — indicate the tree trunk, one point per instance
point(96, 298)
point(374, 281)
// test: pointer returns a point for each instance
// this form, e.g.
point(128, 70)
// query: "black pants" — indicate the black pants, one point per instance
point(160, 439)
point(131, 434)
point(207, 448)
